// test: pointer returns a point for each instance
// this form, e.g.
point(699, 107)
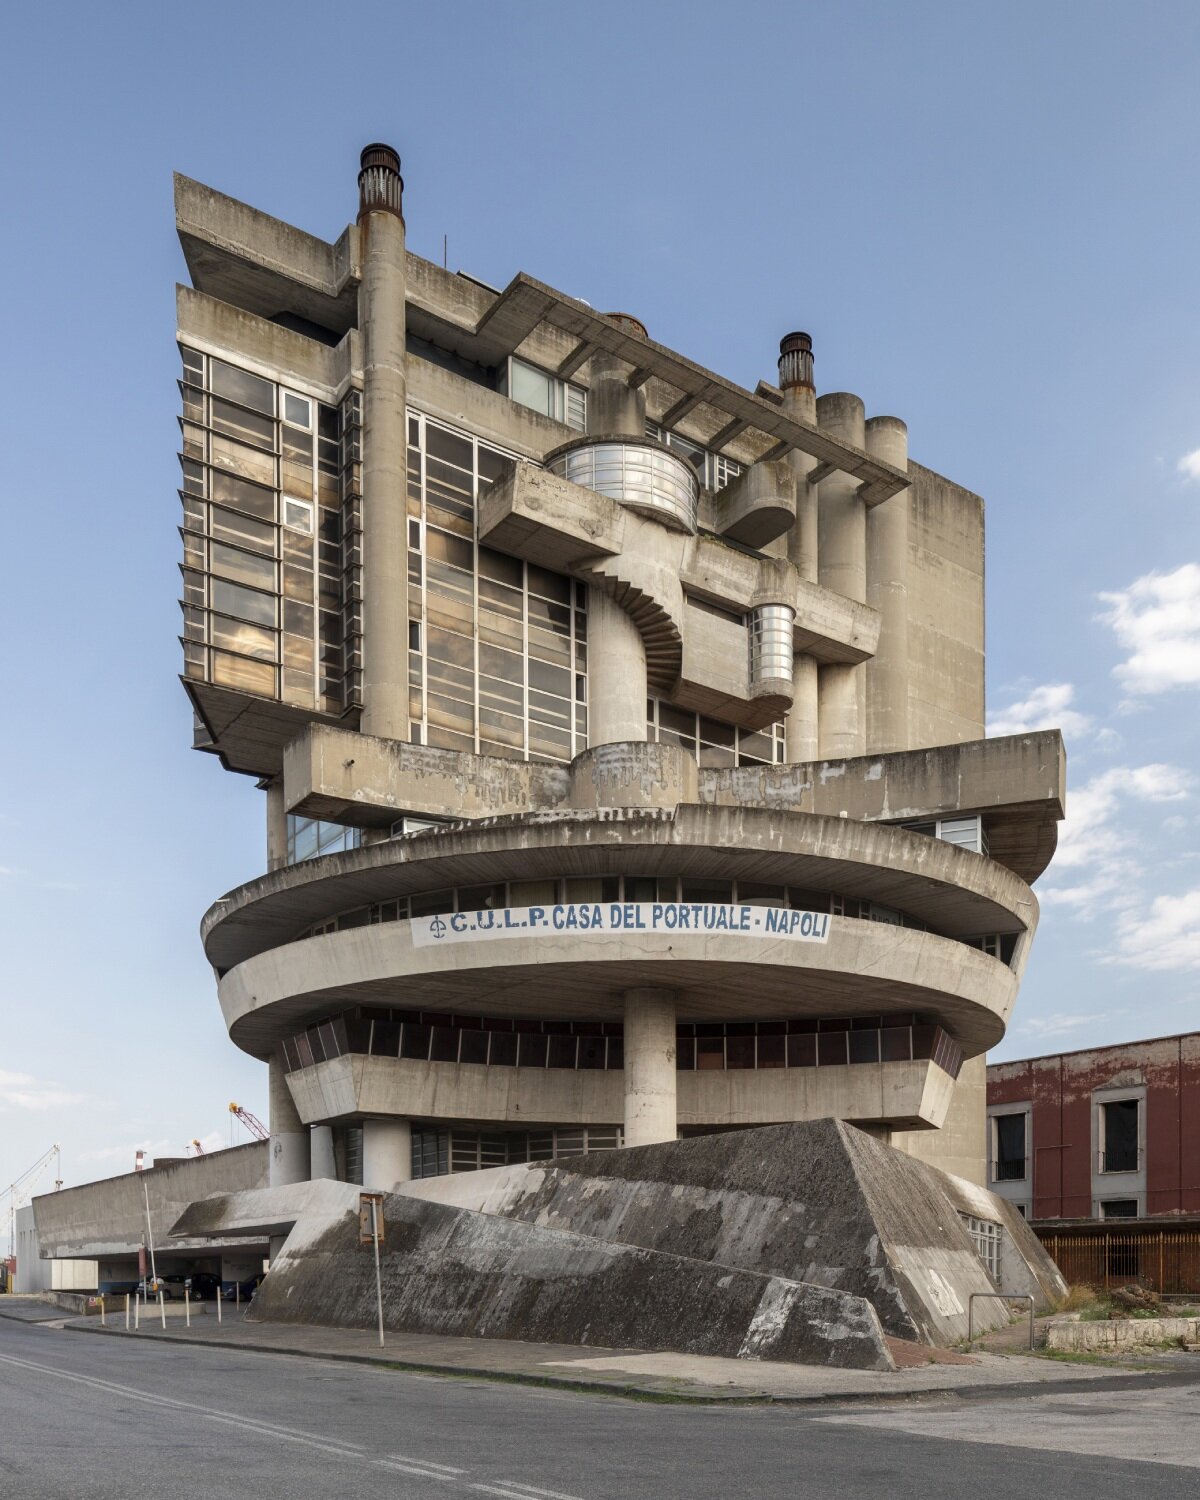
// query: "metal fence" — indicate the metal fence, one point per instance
point(1166, 1260)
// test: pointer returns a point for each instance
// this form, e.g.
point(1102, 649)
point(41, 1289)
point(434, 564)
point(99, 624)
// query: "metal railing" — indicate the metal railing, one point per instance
point(1166, 1260)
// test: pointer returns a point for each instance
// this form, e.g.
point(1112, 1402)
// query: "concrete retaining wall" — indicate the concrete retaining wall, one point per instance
point(1122, 1333)
point(452, 1271)
point(818, 1202)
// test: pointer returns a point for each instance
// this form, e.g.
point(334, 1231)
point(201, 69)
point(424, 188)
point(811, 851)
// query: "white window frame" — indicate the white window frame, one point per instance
point(284, 393)
point(309, 511)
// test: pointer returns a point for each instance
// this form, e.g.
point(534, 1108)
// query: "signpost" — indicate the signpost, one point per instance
point(370, 1232)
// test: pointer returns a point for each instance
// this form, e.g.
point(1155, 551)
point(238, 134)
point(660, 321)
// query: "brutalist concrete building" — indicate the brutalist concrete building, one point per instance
point(620, 727)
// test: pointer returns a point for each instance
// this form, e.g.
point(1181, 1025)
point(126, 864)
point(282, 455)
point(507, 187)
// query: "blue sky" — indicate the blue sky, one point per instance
point(986, 216)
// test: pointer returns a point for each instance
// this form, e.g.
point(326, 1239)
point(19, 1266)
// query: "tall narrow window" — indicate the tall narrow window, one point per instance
point(1119, 1136)
point(1009, 1165)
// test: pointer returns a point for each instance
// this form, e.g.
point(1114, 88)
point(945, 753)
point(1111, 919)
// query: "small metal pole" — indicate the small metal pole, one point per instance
point(187, 1306)
point(137, 1312)
point(103, 1322)
point(237, 1296)
point(126, 1312)
point(162, 1310)
point(375, 1207)
point(220, 1299)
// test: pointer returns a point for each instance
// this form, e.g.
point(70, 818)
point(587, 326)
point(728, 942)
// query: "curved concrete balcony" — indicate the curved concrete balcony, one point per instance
point(274, 978)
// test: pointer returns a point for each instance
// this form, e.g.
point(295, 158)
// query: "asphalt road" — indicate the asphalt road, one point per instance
point(84, 1417)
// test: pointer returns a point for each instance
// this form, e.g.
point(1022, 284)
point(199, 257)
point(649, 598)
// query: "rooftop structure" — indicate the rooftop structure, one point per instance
point(620, 728)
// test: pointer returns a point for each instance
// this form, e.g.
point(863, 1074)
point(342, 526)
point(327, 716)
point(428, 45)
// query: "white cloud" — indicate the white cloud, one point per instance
point(1060, 1024)
point(1046, 707)
point(1157, 621)
point(1089, 832)
point(23, 1091)
point(1189, 465)
point(1165, 937)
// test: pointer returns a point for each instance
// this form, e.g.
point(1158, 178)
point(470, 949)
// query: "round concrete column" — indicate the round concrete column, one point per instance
point(616, 674)
point(887, 591)
point(385, 445)
point(290, 1155)
point(797, 382)
point(842, 567)
point(614, 408)
point(649, 1067)
point(387, 1154)
point(321, 1148)
point(800, 726)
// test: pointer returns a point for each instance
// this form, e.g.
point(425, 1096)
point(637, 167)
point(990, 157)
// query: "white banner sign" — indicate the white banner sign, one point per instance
point(585, 918)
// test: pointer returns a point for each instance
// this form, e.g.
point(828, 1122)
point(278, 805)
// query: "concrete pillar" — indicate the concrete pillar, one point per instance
point(801, 740)
point(614, 409)
point(887, 591)
point(290, 1155)
point(322, 1159)
point(276, 826)
point(616, 674)
point(842, 567)
point(797, 382)
point(387, 1154)
point(650, 1114)
point(384, 468)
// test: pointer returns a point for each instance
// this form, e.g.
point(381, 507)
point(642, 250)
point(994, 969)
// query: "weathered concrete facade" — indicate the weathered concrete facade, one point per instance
point(620, 727)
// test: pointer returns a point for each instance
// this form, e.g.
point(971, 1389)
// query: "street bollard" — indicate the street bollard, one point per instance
point(237, 1296)
point(126, 1312)
point(103, 1323)
point(187, 1306)
point(137, 1313)
point(220, 1299)
point(162, 1311)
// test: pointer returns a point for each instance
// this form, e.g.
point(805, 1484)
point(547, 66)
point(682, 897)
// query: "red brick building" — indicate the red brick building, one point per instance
point(1106, 1133)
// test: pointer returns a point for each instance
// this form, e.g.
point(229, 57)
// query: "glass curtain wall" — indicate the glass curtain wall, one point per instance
point(497, 647)
point(261, 536)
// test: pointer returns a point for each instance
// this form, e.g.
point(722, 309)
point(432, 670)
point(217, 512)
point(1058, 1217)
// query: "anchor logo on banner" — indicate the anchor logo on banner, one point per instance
point(438, 927)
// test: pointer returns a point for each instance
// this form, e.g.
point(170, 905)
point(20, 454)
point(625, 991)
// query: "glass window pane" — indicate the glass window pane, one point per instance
point(244, 567)
point(240, 385)
point(232, 599)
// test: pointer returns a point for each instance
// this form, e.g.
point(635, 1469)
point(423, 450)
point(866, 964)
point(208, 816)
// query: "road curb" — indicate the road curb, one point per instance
point(632, 1391)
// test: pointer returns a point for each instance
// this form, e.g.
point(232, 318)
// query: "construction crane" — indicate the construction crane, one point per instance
point(252, 1123)
point(20, 1191)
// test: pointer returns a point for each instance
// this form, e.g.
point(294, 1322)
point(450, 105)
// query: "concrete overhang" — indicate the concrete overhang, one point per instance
point(955, 891)
point(1017, 783)
point(246, 257)
point(266, 1211)
point(910, 1095)
point(864, 969)
point(250, 734)
point(526, 305)
point(535, 515)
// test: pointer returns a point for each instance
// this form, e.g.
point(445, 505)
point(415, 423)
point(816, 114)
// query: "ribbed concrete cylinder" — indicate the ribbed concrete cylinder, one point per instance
point(650, 1114)
point(323, 1163)
point(887, 591)
point(276, 826)
point(387, 1154)
point(616, 674)
point(800, 726)
point(613, 409)
point(842, 567)
point(290, 1154)
point(800, 403)
point(381, 320)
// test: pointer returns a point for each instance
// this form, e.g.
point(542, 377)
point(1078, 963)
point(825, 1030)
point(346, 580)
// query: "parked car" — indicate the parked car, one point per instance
point(242, 1291)
point(149, 1288)
point(204, 1285)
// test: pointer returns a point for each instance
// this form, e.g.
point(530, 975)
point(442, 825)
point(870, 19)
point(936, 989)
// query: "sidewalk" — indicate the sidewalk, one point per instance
point(632, 1372)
